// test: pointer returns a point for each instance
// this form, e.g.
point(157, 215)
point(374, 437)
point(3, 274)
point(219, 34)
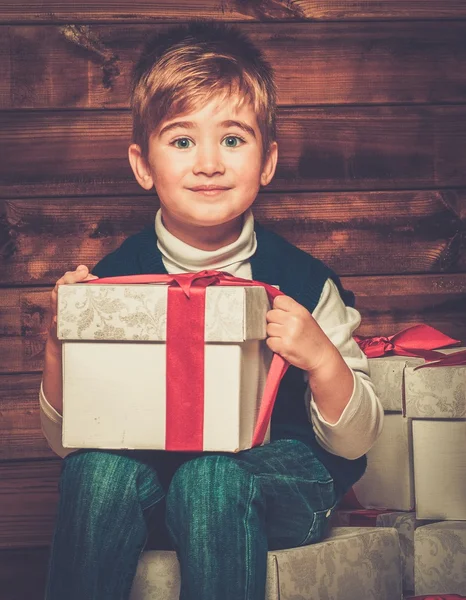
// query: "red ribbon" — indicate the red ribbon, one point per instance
point(418, 341)
point(185, 354)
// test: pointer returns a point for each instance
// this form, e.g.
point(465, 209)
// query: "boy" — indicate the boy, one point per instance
point(203, 104)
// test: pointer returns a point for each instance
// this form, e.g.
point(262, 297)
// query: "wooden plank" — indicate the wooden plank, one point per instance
point(20, 431)
point(88, 66)
point(235, 10)
point(412, 232)
point(390, 304)
point(387, 304)
point(358, 148)
point(23, 573)
point(28, 502)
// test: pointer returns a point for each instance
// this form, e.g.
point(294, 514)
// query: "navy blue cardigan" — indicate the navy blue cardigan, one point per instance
point(298, 275)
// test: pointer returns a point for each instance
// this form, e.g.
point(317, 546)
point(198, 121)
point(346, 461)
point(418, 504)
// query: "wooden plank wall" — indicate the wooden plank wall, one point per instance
point(371, 178)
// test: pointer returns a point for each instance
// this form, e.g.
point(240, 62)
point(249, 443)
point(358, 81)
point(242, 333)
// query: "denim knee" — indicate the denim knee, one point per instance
point(210, 487)
point(101, 480)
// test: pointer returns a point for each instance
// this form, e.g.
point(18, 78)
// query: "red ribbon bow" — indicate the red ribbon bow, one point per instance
point(185, 354)
point(418, 341)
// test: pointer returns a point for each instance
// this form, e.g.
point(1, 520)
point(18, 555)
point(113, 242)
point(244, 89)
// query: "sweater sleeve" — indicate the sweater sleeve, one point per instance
point(51, 422)
point(362, 419)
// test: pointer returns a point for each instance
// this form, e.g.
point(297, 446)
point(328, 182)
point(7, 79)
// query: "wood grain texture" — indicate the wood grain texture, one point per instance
point(20, 431)
point(23, 573)
point(387, 304)
point(89, 66)
point(413, 232)
point(360, 148)
point(236, 10)
point(28, 502)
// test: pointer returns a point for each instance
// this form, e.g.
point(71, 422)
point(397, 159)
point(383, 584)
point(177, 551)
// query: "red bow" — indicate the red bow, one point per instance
point(185, 354)
point(418, 341)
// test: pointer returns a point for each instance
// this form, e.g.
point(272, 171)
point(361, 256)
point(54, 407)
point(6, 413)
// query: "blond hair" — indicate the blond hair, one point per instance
point(182, 69)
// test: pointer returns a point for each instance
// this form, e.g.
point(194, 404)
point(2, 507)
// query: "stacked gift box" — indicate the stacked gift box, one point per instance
point(416, 475)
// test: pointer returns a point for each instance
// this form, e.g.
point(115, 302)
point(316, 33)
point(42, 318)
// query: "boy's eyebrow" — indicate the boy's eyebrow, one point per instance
point(241, 124)
point(190, 125)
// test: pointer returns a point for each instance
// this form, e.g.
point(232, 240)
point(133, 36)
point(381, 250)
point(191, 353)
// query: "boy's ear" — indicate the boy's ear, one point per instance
point(140, 167)
point(270, 164)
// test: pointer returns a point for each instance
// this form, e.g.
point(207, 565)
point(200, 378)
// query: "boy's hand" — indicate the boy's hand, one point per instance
point(295, 335)
point(81, 274)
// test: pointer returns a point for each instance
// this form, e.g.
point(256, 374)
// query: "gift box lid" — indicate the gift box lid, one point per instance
point(138, 312)
point(436, 392)
point(387, 374)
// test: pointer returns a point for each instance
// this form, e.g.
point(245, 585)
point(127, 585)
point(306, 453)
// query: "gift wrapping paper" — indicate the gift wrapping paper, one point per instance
point(404, 522)
point(440, 558)
point(387, 374)
point(436, 392)
point(139, 313)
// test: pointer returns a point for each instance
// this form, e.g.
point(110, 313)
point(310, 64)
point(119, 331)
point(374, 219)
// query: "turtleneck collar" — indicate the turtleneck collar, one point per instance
point(179, 257)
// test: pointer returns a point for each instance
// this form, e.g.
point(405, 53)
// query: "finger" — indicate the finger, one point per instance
point(284, 303)
point(276, 316)
point(274, 329)
point(274, 343)
point(75, 276)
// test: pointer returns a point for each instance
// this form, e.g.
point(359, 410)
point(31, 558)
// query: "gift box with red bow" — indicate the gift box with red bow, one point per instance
point(417, 382)
point(166, 362)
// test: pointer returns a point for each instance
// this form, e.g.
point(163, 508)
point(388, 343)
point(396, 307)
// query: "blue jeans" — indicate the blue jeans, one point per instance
point(221, 512)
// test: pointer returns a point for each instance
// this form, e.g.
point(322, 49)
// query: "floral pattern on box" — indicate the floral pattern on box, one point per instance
point(138, 312)
point(363, 564)
point(387, 375)
point(404, 522)
point(440, 558)
point(436, 393)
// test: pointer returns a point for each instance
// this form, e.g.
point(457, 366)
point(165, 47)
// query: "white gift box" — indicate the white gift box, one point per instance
point(114, 365)
point(440, 558)
point(440, 468)
point(388, 480)
point(404, 522)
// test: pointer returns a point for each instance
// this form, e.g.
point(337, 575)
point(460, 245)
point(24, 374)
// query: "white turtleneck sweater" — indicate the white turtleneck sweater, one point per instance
point(361, 421)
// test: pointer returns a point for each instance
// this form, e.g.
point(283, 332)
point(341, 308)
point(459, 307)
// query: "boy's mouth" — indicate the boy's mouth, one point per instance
point(209, 190)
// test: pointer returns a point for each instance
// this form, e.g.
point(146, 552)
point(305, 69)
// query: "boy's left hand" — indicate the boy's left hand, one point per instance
point(295, 335)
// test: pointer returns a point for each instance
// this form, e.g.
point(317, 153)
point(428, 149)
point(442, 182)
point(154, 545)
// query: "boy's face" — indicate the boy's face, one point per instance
point(218, 146)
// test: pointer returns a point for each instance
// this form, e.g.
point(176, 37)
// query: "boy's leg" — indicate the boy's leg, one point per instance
point(101, 527)
point(225, 511)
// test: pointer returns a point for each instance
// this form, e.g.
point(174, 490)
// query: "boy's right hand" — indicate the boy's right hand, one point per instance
point(79, 275)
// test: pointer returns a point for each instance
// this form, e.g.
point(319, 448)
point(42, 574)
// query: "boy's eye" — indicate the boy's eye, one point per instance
point(181, 143)
point(231, 141)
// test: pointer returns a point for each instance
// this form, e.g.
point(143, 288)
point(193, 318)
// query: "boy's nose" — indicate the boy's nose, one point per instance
point(208, 161)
